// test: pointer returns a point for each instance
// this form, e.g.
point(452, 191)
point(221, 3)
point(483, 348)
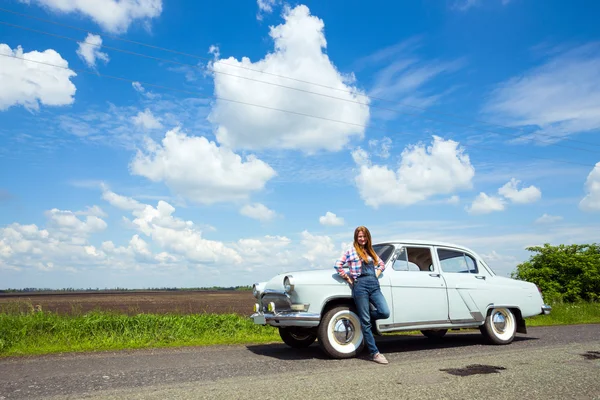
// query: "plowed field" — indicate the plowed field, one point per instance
point(159, 302)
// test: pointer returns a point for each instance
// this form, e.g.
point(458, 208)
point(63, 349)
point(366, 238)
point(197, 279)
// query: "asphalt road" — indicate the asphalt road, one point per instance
point(547, 363)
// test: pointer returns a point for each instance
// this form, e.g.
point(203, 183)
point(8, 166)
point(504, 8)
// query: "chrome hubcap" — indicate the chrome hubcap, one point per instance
point(344, 331)
point(499, 321)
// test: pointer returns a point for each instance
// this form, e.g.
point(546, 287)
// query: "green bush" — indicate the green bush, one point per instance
point(568, 273)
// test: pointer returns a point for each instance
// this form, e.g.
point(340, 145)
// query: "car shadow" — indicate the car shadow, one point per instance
point(387, 344)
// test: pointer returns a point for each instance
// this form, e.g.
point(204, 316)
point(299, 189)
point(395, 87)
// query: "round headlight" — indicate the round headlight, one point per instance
point(288, 283)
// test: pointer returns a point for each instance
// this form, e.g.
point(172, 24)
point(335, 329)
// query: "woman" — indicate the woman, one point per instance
point(361, 258)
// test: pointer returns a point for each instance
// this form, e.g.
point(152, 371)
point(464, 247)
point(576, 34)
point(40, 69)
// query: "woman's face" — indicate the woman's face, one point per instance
point(361, 238)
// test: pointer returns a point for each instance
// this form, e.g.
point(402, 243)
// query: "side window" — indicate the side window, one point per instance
point(413, 259)
point(457, 262)
point(471, 264)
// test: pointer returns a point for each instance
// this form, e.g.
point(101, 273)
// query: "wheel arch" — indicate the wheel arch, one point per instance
point(335, 301)
point(516, 310)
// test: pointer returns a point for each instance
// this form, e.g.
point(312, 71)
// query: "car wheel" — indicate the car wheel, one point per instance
point(435, 333)
point(500, 326)
point(340, 333)
point(296, 339)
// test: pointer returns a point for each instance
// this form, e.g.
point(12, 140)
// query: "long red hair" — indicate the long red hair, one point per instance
point(367, 249)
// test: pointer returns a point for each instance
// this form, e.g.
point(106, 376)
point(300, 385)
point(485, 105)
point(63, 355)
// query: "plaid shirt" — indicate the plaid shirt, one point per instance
point(351, 258)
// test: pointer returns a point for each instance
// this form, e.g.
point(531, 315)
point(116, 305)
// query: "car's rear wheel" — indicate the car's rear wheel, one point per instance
point(340, 334)
point(500, 326)
point(296, 338)
point(435, 334)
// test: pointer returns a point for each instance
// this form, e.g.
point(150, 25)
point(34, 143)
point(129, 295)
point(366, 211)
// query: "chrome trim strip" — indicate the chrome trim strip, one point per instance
point(289, 316)
point(401, 324)
point(463, 321)
point(478, 316)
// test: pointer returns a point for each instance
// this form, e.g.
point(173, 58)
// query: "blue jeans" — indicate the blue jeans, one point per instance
point(366, 290)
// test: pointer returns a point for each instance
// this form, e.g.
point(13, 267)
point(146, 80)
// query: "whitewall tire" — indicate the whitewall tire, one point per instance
point(340, 334)
point(500, 326)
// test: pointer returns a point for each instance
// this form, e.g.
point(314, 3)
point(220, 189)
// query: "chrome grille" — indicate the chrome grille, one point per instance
point(281, 300)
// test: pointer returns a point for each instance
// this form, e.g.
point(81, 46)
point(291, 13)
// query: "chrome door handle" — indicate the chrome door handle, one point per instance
point(435, 275)
point(480, 277)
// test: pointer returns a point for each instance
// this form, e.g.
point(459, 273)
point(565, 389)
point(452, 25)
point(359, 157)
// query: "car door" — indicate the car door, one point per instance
point(466, 282)
point(418, 290)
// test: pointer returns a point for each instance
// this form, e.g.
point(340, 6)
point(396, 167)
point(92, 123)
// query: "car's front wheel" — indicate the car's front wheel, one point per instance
point(500, 326)
point(340, 334)
point(295, 338)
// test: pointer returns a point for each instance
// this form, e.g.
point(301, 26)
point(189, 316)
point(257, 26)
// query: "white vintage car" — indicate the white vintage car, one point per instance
point(429, 286)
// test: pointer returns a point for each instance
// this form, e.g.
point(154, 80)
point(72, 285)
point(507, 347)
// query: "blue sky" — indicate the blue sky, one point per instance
point(269, 130)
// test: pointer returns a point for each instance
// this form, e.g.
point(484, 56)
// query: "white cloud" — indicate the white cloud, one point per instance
point(360, 156)
point(117, 125)
point(93, 211)
point(454, 200)
point(559, 98)
point(258, 211)
point(121, 202)
point(301, 37)
point(138, 87)
point(522, 196)
point(112, 15)
point(441, 168)
point(89, 50)
point(265, 7)
point(319, 250)
point(484, 204)
point(29, 84)
point(405, 77)
point(548, 219)
point(27, 246)
point(67, 222)
point(180, 237)
point(260, 253)
point(147, 120)
point(405, 80)
point(200, 170)
point(330, 219)
point(381, 147)
point(464, 5)
point(591, 201)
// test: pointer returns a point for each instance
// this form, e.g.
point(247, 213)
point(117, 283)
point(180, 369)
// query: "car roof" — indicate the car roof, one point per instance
point(426, 243)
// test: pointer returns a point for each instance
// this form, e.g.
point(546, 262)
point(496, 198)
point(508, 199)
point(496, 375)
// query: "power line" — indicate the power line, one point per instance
point(268, 107)
point(303, 81)
point(299, 89)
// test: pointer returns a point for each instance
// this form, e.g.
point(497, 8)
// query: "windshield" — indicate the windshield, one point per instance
point(384, 251)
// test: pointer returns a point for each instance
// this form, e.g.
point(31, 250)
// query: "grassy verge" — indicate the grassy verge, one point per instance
point(30, 333)
point(43, 332)
point(568, 314)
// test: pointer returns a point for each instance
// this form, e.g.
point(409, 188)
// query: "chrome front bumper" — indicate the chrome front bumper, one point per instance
point(546, 309)
point(291, 318)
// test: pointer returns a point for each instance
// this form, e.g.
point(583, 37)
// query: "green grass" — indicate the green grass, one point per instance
point(44, 332)
point(34, 332)
point(568, 314)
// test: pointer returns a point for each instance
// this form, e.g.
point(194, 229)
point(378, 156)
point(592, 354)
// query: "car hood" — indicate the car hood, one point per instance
point(314, 277)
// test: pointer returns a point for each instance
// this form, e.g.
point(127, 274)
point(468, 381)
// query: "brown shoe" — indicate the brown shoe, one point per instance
point(380, 359)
